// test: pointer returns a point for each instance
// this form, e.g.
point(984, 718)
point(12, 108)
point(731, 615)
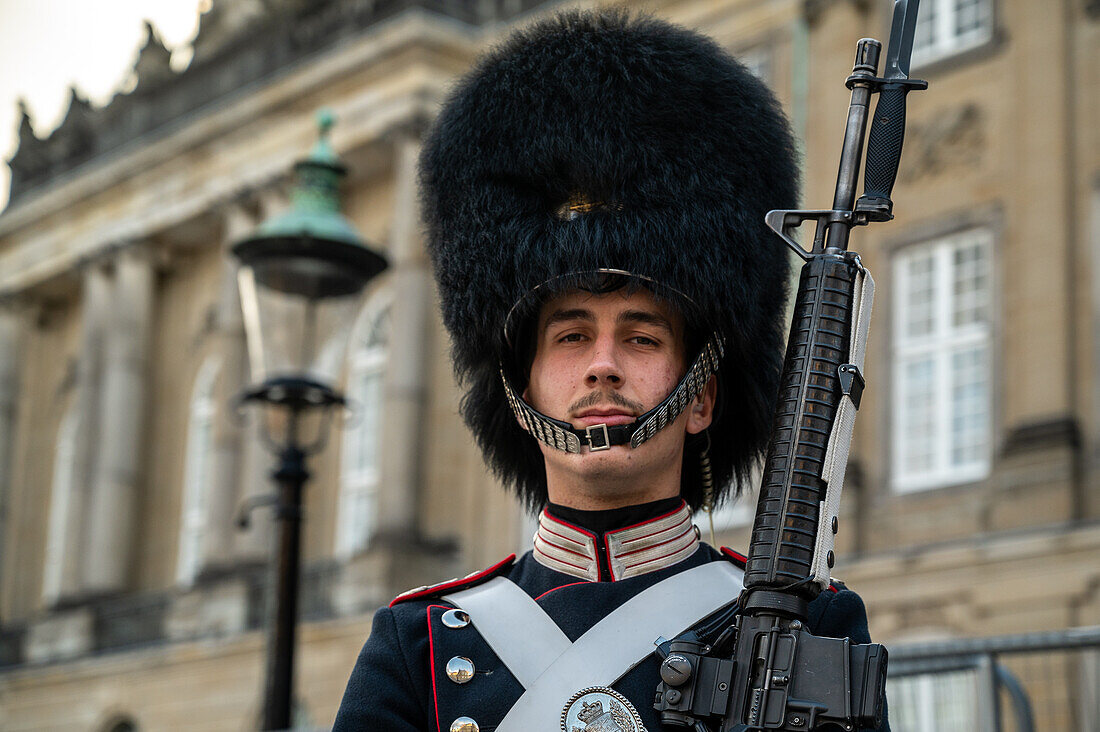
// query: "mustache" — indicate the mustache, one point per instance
point(595, 398)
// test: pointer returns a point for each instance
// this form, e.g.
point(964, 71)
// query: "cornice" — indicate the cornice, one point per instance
point(371, 117)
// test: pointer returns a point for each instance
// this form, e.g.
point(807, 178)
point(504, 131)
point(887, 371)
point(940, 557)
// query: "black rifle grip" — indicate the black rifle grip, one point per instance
point(784, 534)
point(884, 142)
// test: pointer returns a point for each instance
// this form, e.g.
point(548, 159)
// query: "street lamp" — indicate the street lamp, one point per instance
point(301, 275)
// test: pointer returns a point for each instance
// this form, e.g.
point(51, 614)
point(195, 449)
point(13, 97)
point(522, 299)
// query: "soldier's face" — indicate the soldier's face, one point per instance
point(606, 359)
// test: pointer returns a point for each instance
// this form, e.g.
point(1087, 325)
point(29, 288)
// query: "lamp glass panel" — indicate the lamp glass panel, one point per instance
point(296, 332)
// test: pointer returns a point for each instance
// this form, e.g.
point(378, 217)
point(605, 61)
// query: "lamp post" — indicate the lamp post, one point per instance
point(301, 275)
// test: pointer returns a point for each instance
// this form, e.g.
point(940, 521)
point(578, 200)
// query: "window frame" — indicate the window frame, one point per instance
point(946, 41)
point(941, 347)
point(357, 484)
point(197, 474)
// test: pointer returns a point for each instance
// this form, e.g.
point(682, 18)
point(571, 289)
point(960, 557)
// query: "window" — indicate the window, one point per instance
point(360, 472)
point(946, 27)
point(942, 398)
point(61, 497)
point(196, 472)
point(936, 702)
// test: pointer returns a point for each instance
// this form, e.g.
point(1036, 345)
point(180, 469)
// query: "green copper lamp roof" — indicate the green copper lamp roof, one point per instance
point(315, 199)
point(314, 228)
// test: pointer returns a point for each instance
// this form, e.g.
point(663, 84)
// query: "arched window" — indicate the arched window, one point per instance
point(61, 506)
point(360, 469)
point(121, 724)
point(196, 472)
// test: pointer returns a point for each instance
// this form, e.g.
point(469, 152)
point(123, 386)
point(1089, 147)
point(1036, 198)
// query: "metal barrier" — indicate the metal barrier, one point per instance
point(1036, 682)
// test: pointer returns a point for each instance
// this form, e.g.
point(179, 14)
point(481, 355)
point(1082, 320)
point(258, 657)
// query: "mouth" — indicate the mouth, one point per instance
point(604, 415)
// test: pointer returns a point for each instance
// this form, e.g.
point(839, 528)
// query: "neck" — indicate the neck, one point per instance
point(598, 487)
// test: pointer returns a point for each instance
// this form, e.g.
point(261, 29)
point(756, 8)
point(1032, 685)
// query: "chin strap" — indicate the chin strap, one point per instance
point(563, 436)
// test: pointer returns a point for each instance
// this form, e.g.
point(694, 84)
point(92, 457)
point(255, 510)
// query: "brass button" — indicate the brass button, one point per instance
point(456, 619)
point(460, 669)
point(464, 724)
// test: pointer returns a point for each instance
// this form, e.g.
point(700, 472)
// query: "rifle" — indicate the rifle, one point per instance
point(755, 666)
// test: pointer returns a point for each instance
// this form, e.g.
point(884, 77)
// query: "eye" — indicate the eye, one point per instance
point(643, 340)
point(571, 338)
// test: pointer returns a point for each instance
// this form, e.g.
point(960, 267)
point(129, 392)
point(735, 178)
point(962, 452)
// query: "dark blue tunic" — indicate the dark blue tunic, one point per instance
point(399, 683)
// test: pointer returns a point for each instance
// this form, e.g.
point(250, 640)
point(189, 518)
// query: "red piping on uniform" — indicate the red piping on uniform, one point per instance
point(555, 519)
point(452, 583)
point(662, 516)
point(662, 543)
point(555, 589)
point(663, 556)
point(568, 551)
point(687, 520)
point(741, 558)
point(431, 657)
point(561, 536)
point(607, 556)
point(555, 559)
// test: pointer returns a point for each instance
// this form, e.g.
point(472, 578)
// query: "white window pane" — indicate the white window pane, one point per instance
point(919, 423)
point(969, 405)
point(196, 473)
point(970, 284)
point(368, 359)
point(944, 702)
point(921, 289)
point(925, 36)
point(969, 16)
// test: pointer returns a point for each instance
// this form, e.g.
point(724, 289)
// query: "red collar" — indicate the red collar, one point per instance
point(644, 547)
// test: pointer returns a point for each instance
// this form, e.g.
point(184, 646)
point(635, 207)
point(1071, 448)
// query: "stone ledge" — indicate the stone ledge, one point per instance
point(61, 636)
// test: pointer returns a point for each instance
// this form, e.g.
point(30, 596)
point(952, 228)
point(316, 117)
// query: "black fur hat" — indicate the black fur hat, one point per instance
point(685, 151)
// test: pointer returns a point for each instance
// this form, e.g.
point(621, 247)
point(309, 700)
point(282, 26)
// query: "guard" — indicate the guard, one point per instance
point(595, 193)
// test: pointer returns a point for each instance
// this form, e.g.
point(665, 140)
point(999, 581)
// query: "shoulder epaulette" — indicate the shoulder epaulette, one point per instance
point(741, 560)
point(461, 583)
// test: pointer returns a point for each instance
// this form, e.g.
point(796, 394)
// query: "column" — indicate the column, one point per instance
point(110, 514)
point(10, 332)
point(94, 311)
point(405, 390)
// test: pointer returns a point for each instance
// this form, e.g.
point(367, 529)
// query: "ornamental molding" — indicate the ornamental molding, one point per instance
point(953, 139)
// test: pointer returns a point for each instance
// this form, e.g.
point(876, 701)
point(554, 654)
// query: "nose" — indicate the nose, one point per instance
point(604, 369)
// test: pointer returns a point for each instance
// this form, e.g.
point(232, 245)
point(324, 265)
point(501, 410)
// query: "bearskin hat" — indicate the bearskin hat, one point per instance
point(684, 148)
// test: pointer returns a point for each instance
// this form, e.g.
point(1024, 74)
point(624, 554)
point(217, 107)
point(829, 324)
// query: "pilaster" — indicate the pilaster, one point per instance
point(10, 335)
point(110, 513)
point(95, 311)
point(405, 386)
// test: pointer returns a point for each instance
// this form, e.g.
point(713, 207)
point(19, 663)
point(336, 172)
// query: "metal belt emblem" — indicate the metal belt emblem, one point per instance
point(600, 709)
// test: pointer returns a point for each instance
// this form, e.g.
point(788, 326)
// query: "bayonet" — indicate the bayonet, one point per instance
point(888, 126)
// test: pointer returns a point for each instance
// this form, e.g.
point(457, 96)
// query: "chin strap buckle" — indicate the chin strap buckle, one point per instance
point(601, 441)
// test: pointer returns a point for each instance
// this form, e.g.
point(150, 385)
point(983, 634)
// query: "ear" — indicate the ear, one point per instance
point(701, 410)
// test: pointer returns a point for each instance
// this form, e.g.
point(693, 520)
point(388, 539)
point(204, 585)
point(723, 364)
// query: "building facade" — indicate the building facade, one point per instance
point(131, 599)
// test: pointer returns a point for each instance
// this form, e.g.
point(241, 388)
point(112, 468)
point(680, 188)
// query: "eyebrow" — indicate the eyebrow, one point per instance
point(559, 316)
point(627, 316)
point(644, 316)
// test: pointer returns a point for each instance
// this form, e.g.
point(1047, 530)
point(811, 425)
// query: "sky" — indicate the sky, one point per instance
point(46, 46)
